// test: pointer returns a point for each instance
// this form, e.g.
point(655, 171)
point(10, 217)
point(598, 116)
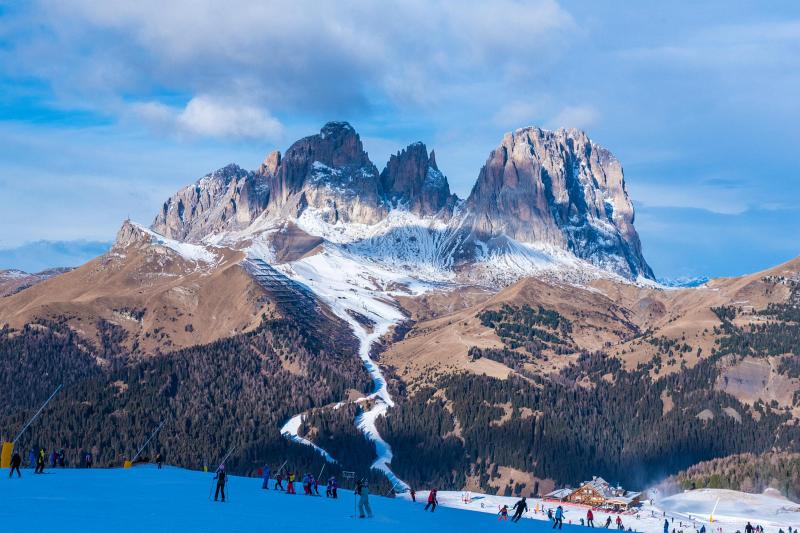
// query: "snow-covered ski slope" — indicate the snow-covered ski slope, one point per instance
point(145, 499)
point(686, 511)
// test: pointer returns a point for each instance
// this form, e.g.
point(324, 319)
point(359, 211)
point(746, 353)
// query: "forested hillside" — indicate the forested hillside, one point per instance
point(234, 392)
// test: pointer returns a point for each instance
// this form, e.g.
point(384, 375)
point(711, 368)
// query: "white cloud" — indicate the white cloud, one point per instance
point(204, 116)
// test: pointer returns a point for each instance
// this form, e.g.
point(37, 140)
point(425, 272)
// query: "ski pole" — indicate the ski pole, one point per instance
point(320, 471)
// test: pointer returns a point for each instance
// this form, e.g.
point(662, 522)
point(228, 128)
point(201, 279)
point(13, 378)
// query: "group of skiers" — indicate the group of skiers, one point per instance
point(38, 460)
point(310, 483)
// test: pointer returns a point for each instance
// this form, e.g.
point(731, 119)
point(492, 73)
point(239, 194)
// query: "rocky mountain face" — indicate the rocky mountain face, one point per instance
point(556, 189)
point(229, 198)
point(412, 179)
point(562, 189)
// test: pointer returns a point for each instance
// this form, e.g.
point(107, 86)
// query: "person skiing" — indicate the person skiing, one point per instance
point(666, 526)
point(748, 528)
point(363, 499)
point(590, 518)
point(315, 485)
point(159, 460)
point(619, 523)
point(16, 460)
point(503, 514)
point(519, 508)
point(220, 477)
point(265, 484)
point(89, 460)
point(307, 485)
point(432, 502)
point(608, 522)
point(290, 483)
point(413, 495)
point(40, 462)
point(278, 481)
point(334, 487)
point(61, 461)
point(558, 519)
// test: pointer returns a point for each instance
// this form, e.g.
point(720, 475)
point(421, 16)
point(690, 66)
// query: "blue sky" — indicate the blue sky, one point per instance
point(106, 108)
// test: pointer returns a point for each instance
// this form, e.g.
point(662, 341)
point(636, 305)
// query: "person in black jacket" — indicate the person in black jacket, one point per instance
point(16, 460)
point(220, 477)
point(519, 508)
point(159, 460)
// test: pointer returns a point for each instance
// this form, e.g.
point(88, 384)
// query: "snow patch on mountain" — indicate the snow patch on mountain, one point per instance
point(290, 430)
point(191, 252)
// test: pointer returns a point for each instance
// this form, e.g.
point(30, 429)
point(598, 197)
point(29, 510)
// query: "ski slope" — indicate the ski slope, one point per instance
point(145, 499)
point(686, 511)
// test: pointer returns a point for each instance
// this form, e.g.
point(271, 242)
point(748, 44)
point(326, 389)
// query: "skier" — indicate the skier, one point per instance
point(363, 501)
point(334, 486)
point(666, 526)
point(413, 495)
point(16, 460)
point(159, 460)
point(278, 481)
point(619, 523)
point(307, 484)
point(559, 517)
point(519, 508)
point(89, 460)
point(590, 518)
point(608, 522)
point(748, 528)
point(265, 484)
point(315, 485)
point(432, 502)
point(503, 514)
point(220, 477)
point(550, 514)
point(61, 458)
point(40, 462)
point(290, 483)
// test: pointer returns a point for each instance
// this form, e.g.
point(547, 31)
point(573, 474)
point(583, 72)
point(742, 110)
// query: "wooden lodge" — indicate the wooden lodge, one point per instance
point(598, 493)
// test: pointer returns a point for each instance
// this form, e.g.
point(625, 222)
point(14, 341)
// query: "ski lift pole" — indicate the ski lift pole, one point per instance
point(226, 456)
point(153, 434)
point(36, 415)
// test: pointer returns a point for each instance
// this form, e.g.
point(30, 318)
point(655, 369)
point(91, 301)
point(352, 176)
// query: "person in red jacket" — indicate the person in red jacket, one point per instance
point(590, 518)
point(431, 501)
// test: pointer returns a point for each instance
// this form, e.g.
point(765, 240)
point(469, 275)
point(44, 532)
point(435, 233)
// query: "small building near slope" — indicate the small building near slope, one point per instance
point(598, 493)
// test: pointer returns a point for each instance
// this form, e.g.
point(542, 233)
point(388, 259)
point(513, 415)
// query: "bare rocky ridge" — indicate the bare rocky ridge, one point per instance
point(559, 188)
point(229, 198)
point(411, 178)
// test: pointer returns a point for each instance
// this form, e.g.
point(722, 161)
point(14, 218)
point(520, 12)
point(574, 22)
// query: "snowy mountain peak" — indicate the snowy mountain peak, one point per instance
point(559, 188)
point(544, 200)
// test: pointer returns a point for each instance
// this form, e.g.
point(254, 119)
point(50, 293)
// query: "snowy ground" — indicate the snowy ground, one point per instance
point(144, 499)
point(687, 511)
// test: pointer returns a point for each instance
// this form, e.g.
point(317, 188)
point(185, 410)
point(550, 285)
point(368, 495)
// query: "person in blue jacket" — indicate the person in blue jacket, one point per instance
point(558, 518)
